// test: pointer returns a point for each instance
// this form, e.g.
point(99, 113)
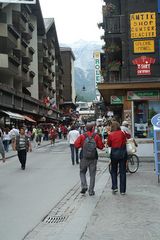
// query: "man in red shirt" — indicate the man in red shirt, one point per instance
point(90, 164)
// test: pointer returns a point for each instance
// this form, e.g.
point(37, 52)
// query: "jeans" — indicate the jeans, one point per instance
point(6, 145)
point(73, 152)
point(22, 155)
point(122, 172)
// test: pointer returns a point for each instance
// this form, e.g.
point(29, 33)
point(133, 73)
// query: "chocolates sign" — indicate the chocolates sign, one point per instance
point(143, 65)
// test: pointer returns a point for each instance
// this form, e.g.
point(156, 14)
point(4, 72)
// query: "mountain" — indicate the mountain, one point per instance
point(84, 68)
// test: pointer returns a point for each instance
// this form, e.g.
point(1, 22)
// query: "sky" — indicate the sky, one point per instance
point(74, 19)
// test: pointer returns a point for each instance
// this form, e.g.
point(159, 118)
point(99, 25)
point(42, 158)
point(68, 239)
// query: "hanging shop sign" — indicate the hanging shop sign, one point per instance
point(145, 46)
point(117, 100)
point(143, 25)
point(19, 1)
point(143, 65)
point(143, 95)
point(97, 64)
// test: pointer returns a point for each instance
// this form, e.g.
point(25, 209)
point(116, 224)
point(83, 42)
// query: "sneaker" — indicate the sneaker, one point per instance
point(123, 193)
point(92, 193)
point(115, 190)
point(83, 191)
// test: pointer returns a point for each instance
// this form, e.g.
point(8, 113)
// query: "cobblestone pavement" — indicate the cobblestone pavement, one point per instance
point(133, 216)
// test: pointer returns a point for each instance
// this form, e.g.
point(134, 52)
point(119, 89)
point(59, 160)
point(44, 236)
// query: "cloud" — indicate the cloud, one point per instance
point(74, 19)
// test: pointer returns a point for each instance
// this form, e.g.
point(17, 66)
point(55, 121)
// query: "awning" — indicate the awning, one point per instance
point(14, 115)
point(29, 119)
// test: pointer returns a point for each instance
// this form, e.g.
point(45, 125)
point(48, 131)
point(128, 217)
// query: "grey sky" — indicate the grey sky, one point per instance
point(75, 19)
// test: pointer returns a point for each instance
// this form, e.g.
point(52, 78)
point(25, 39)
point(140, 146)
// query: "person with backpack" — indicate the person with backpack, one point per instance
point(88, 142)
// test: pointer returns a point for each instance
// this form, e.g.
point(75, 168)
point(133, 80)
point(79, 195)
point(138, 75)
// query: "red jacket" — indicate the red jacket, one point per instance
point(80, 140)
point(116, 139)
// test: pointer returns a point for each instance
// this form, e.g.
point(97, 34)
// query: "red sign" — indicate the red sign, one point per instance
point(143, 65)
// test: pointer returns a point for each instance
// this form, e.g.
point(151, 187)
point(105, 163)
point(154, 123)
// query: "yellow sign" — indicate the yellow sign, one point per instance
point(143, 25)
point(146, 46)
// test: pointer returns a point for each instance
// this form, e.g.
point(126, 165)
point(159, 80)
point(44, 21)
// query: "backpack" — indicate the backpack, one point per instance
point(89, 147)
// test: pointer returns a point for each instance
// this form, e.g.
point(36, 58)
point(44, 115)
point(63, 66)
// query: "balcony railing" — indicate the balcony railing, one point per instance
point(18, 21)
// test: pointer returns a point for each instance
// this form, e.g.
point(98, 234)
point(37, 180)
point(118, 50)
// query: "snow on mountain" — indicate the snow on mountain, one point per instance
point(84, 66)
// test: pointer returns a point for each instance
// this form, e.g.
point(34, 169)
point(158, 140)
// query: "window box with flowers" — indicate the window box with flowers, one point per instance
point(114, 66)
point(113, 48)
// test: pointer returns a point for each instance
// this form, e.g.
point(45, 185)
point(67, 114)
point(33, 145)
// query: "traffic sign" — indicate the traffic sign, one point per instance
point(156, 120)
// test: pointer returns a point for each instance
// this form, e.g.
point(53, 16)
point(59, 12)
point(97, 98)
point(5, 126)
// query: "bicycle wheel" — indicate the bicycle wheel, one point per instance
point(133, 163)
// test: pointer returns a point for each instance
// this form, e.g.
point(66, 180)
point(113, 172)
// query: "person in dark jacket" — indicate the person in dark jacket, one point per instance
point(117, 142)
point(22, 145)
point(90, 164)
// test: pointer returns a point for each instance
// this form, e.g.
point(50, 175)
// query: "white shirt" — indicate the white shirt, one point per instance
point(72, 136)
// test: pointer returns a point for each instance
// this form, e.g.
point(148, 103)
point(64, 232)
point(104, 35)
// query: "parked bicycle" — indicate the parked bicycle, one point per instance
point(132, 164)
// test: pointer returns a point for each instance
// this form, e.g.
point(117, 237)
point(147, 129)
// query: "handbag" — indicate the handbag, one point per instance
point(108, 152)
point(130, 145)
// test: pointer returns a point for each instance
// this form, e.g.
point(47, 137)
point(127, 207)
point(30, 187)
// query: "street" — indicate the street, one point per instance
point(49, 182)
point(44, 201)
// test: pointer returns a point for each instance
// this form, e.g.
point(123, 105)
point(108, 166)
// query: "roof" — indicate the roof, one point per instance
point(68, 49)
point(48, 22)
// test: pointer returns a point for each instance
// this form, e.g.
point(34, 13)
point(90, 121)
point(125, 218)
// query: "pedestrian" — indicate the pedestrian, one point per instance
point(6, 139)
point(88, 163)
point(72, 136)
point(52, 135)
point(2, 151)
point(22, 145)
point(13, 133)
point(117, 141)
point(38, 134)
point(125, 129)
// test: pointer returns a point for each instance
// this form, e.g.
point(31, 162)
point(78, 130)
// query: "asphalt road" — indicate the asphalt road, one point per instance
point(44, 201)
point(27, 196)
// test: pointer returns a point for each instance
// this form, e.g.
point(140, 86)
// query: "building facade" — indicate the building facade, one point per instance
point(29, 57)
point(68, 106)
point(130, 62)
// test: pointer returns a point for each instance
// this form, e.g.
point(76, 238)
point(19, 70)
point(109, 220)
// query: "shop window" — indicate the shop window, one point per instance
point(143, 113)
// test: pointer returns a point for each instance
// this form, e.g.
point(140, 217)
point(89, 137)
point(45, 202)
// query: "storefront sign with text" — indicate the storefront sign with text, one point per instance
point(143, 65)
point(145, 46)
point(143, 25)
point(143, 95)
point(117, 100)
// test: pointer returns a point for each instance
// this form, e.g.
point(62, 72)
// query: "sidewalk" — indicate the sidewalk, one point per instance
point(135, 215)
point(12, 153)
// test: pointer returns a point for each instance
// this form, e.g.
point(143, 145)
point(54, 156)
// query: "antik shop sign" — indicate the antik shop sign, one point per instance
point(143, 95)
point(19, 1)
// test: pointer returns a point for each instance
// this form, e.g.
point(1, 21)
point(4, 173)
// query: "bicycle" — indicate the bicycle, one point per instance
point(132, 164)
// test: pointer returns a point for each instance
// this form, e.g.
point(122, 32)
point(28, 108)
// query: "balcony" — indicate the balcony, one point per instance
point(26, 60)
point(30, 26)
point(9, 37)
point(29, 80)
point(18, 21)
point(25, 16)
point(9, 65)
point(27, 36)
point(24, 45)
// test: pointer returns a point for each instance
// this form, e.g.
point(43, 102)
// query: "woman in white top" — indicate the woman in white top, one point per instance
point(6, 139)
point(72, 136)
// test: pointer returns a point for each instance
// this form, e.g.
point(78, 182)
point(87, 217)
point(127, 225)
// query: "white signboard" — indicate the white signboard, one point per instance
point(97, 63)
point(19, 1)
